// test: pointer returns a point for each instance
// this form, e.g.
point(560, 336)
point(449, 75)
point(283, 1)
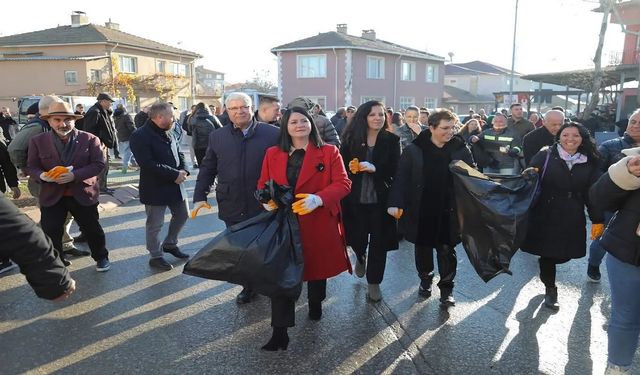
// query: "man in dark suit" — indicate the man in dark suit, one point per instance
point(66, 163)
point(98, 122)
point(543, 136)
point(162, 174)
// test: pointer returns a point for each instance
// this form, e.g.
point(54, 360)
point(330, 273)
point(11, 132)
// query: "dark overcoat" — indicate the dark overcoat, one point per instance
point(557, 223)
point(386, 154)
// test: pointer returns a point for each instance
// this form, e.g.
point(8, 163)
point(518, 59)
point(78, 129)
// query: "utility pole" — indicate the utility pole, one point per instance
point(513, 54)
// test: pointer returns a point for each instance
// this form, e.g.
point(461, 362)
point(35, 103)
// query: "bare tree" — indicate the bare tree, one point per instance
point(597, 59)
point(260, 82)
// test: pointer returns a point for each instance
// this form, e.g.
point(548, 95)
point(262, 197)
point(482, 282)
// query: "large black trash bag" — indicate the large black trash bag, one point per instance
point(492, 213)
point(263, 253)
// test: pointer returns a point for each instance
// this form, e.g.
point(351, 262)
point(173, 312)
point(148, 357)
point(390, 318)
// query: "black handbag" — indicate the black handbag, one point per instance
point(263, 253)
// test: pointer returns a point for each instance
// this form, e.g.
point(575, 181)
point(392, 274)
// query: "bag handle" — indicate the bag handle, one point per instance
point(544, 168)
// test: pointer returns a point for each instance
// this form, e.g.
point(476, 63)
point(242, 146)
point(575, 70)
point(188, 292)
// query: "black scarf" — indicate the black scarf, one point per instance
point(65, 150)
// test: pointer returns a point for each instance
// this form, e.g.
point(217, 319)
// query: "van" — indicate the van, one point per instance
point(87, 101)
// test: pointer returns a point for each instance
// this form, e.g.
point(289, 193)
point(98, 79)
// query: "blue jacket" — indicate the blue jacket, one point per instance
point(611, 150)
point(160, 160)
point(236, 160)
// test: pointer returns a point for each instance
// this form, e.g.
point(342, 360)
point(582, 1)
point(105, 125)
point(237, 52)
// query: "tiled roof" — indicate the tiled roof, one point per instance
point(454, 94)
point(334, 39)
point(87, 34)
point(475, 67)
point(34, 58)
point(200, 69)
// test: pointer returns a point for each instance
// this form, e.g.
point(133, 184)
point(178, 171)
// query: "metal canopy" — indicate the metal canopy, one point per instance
point(583, 79)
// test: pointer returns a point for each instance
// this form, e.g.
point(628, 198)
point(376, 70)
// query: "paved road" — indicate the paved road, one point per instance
point(134, 320)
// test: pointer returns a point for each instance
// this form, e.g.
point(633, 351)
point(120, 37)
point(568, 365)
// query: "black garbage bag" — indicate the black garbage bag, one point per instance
point(492, 213)
point(263, 253)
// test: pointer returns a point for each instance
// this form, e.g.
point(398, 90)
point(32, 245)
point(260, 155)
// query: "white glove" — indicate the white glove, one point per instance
point(44, 177)
point(367, 167)
point(306, 204)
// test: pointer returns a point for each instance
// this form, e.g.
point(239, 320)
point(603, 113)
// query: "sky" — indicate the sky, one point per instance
point(234, 37)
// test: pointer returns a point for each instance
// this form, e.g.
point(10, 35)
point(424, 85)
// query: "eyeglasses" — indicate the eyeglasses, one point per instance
point(236, 109)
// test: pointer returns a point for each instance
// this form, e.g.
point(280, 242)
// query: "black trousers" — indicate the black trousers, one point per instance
point(548, 270)
point(368, 233)
point(200, 153)
point(283, 310)
point(447, 264)
point(52, 223)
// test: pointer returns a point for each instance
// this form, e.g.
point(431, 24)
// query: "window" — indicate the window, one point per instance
point(430, 103)
point(406, 101)
point(218, 76)
point(178, 69)
point(96, 75)
point(375, 67)
point(408, 71)
point(322, 100)
point(209, 75)
point(128, 64)
point(432, 73)
point(183, 103)
point(365, 99)
point(312, 66)
point(70, 77)
point(160, 66)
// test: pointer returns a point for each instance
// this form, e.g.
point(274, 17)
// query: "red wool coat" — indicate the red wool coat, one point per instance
point(323, 174)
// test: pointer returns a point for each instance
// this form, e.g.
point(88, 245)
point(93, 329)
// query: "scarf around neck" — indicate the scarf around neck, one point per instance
point(571, 160)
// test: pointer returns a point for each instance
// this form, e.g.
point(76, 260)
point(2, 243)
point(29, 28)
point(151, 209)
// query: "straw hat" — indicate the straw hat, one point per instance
point(61, 109)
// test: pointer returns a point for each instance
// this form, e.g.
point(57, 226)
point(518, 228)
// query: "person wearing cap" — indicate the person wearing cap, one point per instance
point(66, 163)
point(326, 129)
point(98, 122)
point(18, 151)
point(234, 156)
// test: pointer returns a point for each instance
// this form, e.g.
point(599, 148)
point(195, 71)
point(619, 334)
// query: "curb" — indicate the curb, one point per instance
point(122, 195)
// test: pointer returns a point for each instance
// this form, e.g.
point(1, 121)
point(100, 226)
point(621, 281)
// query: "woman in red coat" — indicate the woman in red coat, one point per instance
point(317, 173)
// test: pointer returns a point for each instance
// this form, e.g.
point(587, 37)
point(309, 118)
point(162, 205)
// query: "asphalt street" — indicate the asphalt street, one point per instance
point(133, 319)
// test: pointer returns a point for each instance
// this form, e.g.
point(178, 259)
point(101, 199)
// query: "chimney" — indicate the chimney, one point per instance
point(79, 18)
point(369, 34)
point(342, 28)
point(112, 25)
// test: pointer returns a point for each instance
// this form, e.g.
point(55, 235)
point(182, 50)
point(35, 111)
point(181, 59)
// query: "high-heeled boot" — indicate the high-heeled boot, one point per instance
point(279, 340)
point(315, 310)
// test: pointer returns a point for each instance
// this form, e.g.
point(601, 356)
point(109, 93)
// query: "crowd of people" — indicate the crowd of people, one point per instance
point(363, 179)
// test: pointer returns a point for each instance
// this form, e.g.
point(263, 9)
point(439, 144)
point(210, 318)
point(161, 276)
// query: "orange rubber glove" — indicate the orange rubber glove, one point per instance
point(270, 206)
point(306, 204)
point(198, 207)
point(55, 172)
point(354, 166)
point(596, 231)
point(395, 212)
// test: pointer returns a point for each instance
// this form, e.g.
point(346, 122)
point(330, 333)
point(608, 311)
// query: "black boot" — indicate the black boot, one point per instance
point(425, 285)
point(279, 340)
point(315, 310)
point(551, 298)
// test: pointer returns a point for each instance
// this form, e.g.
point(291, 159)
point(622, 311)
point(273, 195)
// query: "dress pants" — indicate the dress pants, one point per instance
point(87, 217)
point(447, 264)
point(548, 270)
point(283, 310)
point(368, 232)
point(155, 220)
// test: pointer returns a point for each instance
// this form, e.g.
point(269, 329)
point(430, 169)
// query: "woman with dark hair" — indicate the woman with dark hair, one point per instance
point(316, 172)
point(371, 154)
point(557, 224)
point(422, 198)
